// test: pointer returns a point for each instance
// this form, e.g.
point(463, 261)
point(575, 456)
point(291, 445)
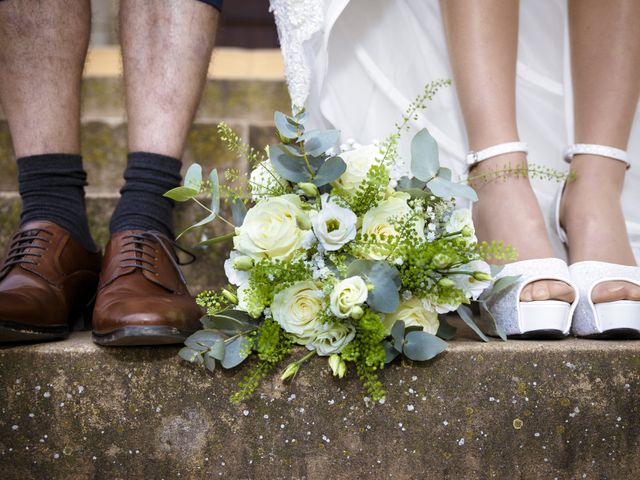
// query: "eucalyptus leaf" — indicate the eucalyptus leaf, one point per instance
point(215, 191)
point(181, 194)
point(217, 350)
point(467, 316)
point(209, 218)
point(390, 351)
point(188, 354)
point(230, 322)
point(238, 211)
point(424, 156)
point(202, 338)
point(193, 177)
point(385, 279)
point(397, 332)
point(442, 186)
point(284, 126)
point(487, 314)
point(290, 168)
point(495, 269)
point(329, 171)
point(209, 363)
point(411, 182)
point(317, 142)
point(446, 331)
point(421, 346)
point(235, 352)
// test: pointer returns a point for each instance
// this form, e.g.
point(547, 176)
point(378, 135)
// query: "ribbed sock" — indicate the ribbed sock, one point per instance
point(142, 207)
point(52, 188)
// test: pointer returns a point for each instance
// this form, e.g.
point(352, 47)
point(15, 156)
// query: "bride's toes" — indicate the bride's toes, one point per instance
point(547, 290)
point(561, 291)
point(614, 291)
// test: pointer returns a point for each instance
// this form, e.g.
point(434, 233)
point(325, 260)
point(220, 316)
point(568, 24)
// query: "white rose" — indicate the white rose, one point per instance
point(461, 220)
point(334, 226)
point(378, 221)
point(414, 314)
point(359, 161)
point(297, 308)
point(332, 338)
point(270, 229)
point(235, 277)
point(471, 286)
point(346, 295)
point(264, 181)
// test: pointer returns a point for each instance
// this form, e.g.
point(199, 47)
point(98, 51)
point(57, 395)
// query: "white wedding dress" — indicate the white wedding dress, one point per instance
point(356, 65)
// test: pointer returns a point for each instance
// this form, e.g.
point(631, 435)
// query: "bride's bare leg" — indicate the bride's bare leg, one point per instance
point(482, 38)
point(605, 44)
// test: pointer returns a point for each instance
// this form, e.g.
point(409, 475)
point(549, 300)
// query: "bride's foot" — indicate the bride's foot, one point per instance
point(591, 214)
point(507, 210)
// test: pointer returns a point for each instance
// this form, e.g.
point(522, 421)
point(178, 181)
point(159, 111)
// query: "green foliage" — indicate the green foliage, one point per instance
point(272, 345)
point(369, 193)
point(509, 172)
point(212, 301)
point(236, 144)
point(367, 352)
point(497, 250)
point(268, 277)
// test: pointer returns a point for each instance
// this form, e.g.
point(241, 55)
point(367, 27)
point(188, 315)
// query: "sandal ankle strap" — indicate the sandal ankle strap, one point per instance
point(494, 151)
point(593, 149)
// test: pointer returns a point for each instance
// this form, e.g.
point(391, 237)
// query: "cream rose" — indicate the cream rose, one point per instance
point(461, 221)
point(358, 161)
point(332, 338)
point(334, 226)
point(346, 295)
point(271, 229)
point(413, 313)
point(470, 285)
point(378, 221)
point(297, 308)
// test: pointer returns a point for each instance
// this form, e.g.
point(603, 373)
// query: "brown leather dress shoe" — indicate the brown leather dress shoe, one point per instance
point(142, 297)
point(47, 280)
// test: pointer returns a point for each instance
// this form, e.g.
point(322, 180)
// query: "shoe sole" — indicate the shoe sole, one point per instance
point(11, 332)
point(615, 334)
point(539, 335)
point(137, 336)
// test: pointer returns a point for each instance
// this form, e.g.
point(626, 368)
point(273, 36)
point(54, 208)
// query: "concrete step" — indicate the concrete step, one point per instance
point(207, 272)
point(517, 410)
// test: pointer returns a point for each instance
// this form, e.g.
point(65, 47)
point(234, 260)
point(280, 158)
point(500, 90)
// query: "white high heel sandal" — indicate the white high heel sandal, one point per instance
point(600, 320)
point(517, 319)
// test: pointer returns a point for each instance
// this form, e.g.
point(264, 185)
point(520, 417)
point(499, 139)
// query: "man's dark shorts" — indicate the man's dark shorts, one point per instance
point(217, 4)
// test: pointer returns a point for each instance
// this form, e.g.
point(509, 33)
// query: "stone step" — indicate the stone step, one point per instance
point(206, 272)
point(104, 150)
point(517, 410)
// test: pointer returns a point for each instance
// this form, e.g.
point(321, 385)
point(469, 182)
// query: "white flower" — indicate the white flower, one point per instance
point(264, 179)
point(461, 221)
point(334, 226)
point(235, 277)
point(378, 221)
point(297, 308)
point(271, 229)
point(332, 338)
point(414, 314)
point(467, 283)
point(346, 295)
point(358, 161)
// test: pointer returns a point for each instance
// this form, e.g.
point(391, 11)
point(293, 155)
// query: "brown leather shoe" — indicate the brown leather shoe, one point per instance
point(47, 280)
point(142, 297)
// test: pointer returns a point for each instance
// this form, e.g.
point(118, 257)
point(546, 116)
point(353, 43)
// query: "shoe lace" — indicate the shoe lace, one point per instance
point(141, 252)
point(24, 247)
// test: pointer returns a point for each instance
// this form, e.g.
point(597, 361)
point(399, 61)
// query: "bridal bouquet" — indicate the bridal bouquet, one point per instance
point(340, 251)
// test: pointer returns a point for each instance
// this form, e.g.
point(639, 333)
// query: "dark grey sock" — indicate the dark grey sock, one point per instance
point(52, 188)
point(142, 207)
